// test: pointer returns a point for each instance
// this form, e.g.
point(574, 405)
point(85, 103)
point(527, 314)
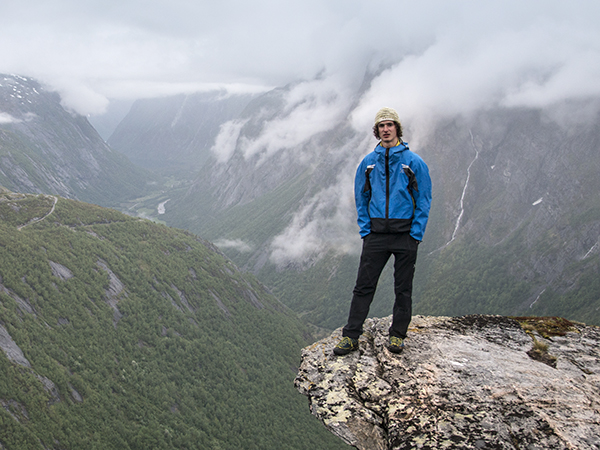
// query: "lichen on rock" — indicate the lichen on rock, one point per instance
point(465, 382)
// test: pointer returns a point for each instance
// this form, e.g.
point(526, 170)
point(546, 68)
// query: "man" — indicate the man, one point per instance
point(392, 190)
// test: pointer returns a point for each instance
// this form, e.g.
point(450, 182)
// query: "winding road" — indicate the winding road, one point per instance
point(39, 219)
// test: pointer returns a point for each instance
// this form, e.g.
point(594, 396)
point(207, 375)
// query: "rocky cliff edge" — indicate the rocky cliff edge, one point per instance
point(481, 382)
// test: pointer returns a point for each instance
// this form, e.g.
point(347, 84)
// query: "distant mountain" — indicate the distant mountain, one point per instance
point(47, 149)
point(172, 135)
point(514, 227)
point(120, 333)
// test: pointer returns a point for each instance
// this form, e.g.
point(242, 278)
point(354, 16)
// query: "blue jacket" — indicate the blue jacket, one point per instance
point(393, 193)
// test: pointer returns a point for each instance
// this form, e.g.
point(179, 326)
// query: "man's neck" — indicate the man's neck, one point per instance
point(390, 144)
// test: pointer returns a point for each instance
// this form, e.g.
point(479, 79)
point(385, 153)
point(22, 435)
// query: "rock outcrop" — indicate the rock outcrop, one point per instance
point(480, 382)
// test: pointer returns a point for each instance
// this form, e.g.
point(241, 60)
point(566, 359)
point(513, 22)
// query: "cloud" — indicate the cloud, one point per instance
point(537, 59)
point(443, 55)
point(310, 108)
point(320, 226)
point(236, 244)
point(226, 140)
point(79, 97)
point(7, 118)
point(327, 220)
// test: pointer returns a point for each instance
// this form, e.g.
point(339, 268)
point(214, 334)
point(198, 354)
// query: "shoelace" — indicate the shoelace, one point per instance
point(345, 341)
point(396, 341)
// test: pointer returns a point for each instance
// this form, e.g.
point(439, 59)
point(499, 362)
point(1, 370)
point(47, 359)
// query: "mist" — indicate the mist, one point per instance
point(496, 60)
point(428, 60)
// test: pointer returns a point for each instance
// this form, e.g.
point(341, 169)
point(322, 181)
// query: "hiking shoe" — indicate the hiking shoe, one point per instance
point(345, 346)
point(396, 344)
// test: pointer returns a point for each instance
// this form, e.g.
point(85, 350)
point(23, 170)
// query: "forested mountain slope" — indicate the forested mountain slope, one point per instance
point(46, 149)
point(119, 333)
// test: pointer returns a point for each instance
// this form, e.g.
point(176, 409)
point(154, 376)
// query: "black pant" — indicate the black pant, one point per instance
point(376, 251)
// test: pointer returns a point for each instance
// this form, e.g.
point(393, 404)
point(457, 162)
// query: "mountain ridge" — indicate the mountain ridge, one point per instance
point(46, 149)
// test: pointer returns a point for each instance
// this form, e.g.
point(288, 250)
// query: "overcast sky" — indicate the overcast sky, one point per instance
point(443, 54)
point(441, 57)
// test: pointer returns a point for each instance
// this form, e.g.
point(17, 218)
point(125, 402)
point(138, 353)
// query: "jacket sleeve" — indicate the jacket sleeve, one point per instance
point(422, 199)
point(362, 198)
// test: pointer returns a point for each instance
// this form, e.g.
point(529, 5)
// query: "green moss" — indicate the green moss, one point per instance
point(547, 326)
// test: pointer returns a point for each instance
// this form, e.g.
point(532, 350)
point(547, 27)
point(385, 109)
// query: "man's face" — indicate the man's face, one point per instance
point(387, 133)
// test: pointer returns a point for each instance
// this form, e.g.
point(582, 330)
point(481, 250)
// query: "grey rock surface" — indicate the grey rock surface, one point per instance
point(114, 291)
point(60, 271)
point(477, 382)
point(12, 351)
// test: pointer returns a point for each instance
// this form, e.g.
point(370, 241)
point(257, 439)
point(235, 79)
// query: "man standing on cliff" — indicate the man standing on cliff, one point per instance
point(392, 190)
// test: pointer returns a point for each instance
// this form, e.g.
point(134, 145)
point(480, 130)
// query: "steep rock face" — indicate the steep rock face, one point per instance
point(524, 185)
point(47, 149)
point(467, 382)
point(259, 161)
point(175, 133)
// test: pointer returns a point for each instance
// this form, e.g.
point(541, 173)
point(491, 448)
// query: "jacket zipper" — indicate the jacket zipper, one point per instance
point(387, 183)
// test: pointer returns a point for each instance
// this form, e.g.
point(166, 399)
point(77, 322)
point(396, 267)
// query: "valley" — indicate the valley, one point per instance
point(169, 298)
point(514, 226)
